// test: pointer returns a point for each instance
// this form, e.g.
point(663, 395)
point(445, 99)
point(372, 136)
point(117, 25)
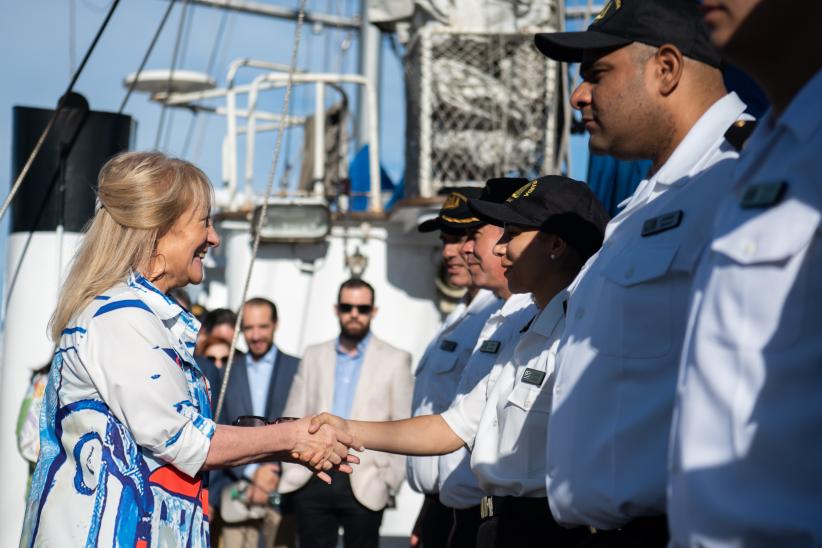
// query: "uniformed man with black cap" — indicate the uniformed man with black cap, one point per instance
point(439, 370)
point(552, 225)
point(651, 89)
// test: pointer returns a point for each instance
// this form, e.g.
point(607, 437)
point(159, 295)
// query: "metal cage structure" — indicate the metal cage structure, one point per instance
point(480, 105)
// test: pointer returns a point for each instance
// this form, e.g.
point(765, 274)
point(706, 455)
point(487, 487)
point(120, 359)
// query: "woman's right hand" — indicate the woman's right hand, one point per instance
point(323, 447)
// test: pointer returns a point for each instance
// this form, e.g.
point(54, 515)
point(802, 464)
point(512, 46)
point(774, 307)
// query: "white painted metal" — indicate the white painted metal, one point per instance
point(369, 67)
point(32, 267)
point(164, 80)
point(319, 139)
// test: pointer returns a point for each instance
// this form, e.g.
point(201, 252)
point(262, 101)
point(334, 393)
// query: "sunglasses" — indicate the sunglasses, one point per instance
point(218, 360)
point(254, 420)
point(364, 309)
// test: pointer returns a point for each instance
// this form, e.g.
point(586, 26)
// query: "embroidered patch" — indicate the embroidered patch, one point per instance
point(448, 346)
point(490, 347)
point(668, 221)
point(763, 195)
point(533, 376)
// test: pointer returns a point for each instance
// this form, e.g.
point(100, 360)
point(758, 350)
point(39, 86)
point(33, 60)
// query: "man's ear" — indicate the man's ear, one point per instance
point(669, 64)
point(374, 311)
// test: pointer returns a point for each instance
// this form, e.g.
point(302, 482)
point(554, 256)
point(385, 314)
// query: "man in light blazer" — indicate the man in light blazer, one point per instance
point(259, 385)
point(356, 376)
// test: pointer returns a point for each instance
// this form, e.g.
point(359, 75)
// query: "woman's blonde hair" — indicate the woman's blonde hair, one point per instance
point(141, 195)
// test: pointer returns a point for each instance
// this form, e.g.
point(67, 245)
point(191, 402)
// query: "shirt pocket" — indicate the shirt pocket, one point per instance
point(525, 424)
point(768, 275)
point(637, 306)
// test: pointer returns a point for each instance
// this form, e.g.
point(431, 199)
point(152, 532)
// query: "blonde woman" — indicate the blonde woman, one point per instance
point(126, 433)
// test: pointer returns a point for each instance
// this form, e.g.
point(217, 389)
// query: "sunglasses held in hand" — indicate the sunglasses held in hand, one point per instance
point(254, 420)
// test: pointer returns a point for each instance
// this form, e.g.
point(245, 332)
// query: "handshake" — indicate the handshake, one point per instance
point(322, 443)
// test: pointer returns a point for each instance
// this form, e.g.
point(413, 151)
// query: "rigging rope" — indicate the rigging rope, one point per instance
point(212, 58)
point(261, 219)
point(39, 145)
point(174, 54)
point(151, 45)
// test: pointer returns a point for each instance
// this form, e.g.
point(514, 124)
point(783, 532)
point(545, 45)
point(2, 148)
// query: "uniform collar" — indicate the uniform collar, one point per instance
point(799, 117)
point(515, 303)
point(482, 299)
point(548, 318)
point(686, 158)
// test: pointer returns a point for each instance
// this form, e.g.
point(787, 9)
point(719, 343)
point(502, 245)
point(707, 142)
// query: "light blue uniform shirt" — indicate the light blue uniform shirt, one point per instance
point(346, 374)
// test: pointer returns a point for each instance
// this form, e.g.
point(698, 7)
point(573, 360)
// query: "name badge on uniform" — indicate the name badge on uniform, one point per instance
point(533, 376)
point(490, 347)
point(448, 346)
point(662, 223)
point(763, 195)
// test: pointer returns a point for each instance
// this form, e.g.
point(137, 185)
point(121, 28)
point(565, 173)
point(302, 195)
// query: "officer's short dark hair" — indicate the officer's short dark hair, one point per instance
point(262, 301)
point(355, 283)
point(219, 316)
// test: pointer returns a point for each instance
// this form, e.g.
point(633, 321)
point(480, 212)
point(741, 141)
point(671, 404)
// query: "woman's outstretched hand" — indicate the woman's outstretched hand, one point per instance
point(323, 446)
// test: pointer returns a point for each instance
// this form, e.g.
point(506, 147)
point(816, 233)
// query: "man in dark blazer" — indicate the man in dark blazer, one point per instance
point(259, 385)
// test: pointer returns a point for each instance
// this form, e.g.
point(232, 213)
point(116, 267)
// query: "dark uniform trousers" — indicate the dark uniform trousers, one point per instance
point(524, 522)
point(651, 532)
point(466, 524)
point(436, 523)
point(321, 509)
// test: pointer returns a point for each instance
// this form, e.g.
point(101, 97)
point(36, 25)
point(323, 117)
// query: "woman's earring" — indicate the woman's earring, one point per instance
point(553, 256)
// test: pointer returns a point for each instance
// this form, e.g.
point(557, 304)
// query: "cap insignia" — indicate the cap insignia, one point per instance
point(606, 8)
point(524, 191)
point(454, 200)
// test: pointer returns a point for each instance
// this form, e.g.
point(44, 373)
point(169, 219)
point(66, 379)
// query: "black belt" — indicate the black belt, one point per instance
point(654, 529)
point(498, 506)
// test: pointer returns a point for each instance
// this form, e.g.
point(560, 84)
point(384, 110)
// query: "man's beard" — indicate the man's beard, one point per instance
point(355, 332)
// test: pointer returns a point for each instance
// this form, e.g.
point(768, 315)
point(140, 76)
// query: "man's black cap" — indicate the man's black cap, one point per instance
point(621, 22)
point(454, 216)
point(499, 189)
point(553, 204)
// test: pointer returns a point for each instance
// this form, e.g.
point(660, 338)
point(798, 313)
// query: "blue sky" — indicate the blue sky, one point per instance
point(36, 61)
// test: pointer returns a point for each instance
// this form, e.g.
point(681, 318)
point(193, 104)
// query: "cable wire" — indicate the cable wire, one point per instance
point(39, 145)
point(146, 56)
point(174, 55)
point(261, 219)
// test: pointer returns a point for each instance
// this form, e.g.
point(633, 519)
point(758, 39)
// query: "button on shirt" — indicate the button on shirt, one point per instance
point(438, 374)
point(458, 485)
point(346, 375)
point(746, 452)
point(504, 419)
point(617, 361)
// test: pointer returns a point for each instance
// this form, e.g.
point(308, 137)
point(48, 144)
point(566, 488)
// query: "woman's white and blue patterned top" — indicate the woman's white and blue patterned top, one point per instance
point(124, 430)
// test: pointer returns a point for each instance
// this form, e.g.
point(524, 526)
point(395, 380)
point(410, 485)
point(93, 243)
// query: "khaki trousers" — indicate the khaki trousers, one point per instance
point(277, 531)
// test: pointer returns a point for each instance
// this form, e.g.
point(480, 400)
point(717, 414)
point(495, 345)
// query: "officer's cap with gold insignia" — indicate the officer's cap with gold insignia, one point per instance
point(553, 204)
point(454, 217)
point(620, 22)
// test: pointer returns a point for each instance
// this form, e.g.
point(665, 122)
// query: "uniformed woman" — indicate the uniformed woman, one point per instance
point(552, 225)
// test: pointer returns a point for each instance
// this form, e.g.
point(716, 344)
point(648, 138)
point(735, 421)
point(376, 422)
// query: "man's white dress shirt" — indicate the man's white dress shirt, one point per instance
point(438, 374)
point(504, 418)
point(746, 457)
point(617, 361)
point(458, 484)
